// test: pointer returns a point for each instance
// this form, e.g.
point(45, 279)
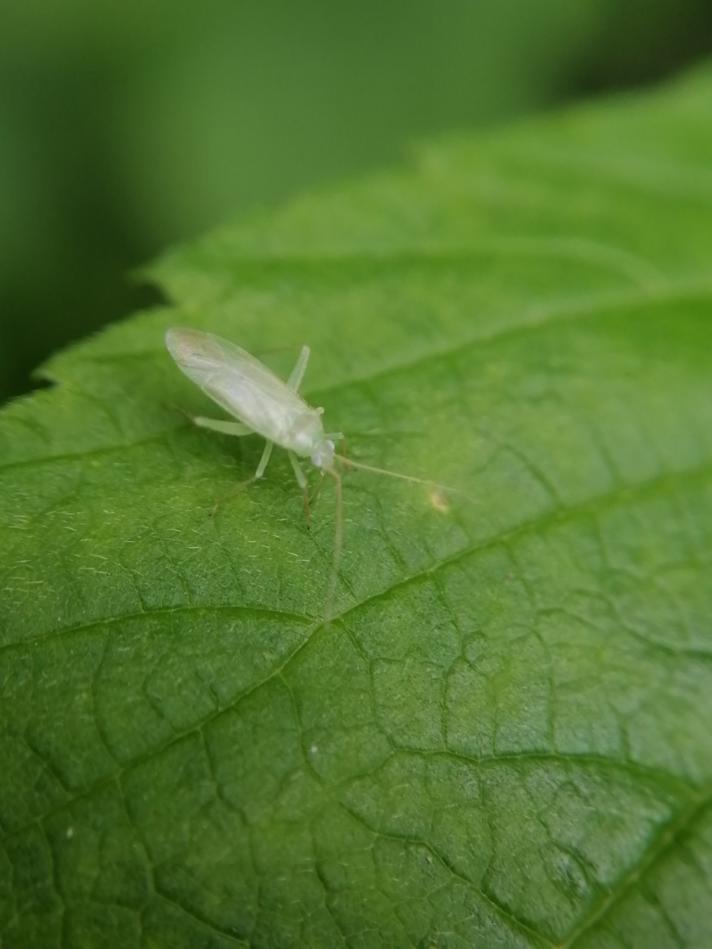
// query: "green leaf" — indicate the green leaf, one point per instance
point(503, 739)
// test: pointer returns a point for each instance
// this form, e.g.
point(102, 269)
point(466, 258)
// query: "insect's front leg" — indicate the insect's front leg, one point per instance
point(302, 482)
point(317, 490)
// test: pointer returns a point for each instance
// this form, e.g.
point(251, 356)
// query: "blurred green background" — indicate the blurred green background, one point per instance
point(127, 127)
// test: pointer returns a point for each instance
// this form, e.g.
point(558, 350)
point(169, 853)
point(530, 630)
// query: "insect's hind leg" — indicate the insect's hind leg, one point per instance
point(300, 367)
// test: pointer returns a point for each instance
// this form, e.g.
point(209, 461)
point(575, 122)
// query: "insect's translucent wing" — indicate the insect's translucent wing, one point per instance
point(198, 354)
point(214, 363)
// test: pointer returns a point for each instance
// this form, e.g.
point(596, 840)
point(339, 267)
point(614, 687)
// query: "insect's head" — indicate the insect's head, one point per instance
point(323, 455)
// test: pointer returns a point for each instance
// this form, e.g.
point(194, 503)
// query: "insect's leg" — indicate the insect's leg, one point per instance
point(317, 490)
point(297, 374)
point(217, 425)
point(302, 482)
point(338, 544)
point(264, 461)
point(220, 425)
point(338, 436)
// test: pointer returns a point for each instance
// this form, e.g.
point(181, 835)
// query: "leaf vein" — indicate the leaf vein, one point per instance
point(658, 848)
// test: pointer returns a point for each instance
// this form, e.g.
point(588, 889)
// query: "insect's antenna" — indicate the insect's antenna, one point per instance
point(338, 544)
point(349, 463)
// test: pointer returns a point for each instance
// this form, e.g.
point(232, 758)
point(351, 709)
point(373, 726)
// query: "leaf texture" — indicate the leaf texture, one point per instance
point(503, 738)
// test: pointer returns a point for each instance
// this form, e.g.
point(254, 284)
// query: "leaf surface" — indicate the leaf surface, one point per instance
point(503, 739)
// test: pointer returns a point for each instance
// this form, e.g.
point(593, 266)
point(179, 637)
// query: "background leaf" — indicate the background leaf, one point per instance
point(128, 127)
point(503, 740)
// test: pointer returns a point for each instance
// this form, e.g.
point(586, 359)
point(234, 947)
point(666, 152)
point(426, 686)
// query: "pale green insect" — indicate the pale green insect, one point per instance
point(267, 406)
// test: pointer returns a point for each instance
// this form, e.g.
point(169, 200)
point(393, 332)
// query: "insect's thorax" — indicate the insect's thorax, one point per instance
point(305, 434)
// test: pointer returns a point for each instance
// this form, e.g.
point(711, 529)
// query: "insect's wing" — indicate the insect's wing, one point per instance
point(228, 374)
point(198, 353)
